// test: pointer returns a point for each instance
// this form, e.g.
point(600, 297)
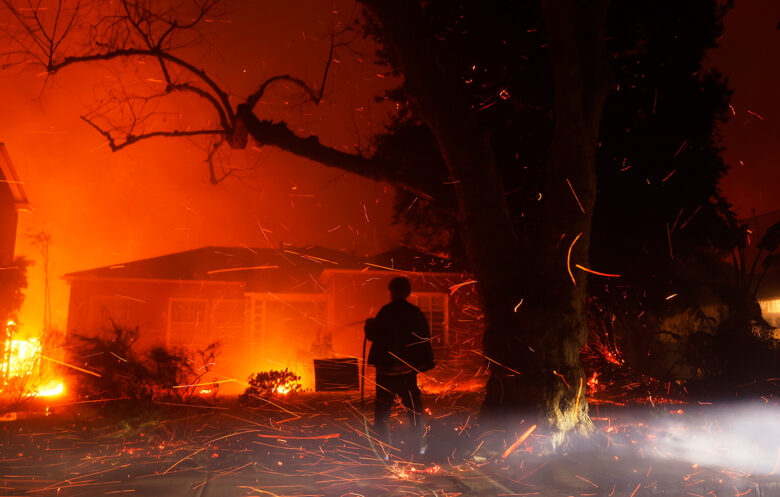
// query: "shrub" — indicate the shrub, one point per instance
point(271, 384)
point(156, 375)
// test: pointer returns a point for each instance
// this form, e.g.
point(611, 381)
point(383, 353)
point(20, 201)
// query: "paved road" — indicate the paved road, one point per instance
point(319, 448)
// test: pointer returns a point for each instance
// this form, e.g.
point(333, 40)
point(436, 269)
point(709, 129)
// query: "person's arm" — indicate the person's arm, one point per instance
point(373, 327)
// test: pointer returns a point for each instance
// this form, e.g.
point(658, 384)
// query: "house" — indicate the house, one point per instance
point(12, 200)
point(269, 309)
point(769, 290)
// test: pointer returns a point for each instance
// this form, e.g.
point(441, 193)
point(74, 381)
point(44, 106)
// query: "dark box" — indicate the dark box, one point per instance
point(336, 374)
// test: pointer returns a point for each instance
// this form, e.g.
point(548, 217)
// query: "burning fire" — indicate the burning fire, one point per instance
point(52, 389)
point(22, 359)
point(284, 389)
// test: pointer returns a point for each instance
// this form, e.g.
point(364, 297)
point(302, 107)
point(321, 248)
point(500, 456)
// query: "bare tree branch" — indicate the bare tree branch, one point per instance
point(221, 96)
point(133, 30)
point(315, 96)
point(130, 138)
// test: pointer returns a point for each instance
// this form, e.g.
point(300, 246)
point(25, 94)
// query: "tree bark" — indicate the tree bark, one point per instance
point(554, 321)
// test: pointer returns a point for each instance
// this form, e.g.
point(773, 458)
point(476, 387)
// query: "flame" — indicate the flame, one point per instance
point(283, 389)
point(22, 358)
point(52, 389)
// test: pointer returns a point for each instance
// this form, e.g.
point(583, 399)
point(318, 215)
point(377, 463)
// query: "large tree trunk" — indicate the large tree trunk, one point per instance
point(534, 352)
point(553, 321)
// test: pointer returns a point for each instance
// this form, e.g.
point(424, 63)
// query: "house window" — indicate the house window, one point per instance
point(186, 322)
point(434, 306)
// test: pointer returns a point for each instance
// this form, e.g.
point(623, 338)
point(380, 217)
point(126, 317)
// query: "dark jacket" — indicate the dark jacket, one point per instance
point(400, 330)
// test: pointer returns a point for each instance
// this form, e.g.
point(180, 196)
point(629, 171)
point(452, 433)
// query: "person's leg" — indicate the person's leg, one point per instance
point(410, 396)
point(383, 403)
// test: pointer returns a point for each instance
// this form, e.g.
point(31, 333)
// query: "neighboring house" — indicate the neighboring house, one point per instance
point(268, 308)
point(12, 200)
point(769, 291)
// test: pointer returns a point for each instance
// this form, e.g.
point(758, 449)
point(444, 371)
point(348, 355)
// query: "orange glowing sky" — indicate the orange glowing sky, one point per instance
point(749, 56)
point(154, 198)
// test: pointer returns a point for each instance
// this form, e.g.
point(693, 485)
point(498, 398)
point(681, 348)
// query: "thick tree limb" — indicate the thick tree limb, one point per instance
point(278, 134)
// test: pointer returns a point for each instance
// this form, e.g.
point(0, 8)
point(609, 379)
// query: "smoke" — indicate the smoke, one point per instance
point(740, 437)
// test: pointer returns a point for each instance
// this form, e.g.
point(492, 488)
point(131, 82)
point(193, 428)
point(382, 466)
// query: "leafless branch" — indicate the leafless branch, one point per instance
point(84, 32)
point(130, 138)
point(213, 148)
point(314, 95)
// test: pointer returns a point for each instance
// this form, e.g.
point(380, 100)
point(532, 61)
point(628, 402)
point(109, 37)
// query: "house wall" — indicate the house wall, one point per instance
point(288, 331)
point(8, 220)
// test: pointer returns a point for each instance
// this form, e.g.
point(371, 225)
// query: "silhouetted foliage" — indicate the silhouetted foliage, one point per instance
point(266, 384)
point(155, 375)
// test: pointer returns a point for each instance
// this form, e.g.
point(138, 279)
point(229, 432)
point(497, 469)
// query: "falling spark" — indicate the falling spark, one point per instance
point(215, 271)
point(575, 195)
point(599, 273)
point(385, 267)
point(684, 143)
point(568, 259)
point(455, 287)
point(311, 257)
point(586, 480)
point(518, 305)
point(204, 384)
point(71, 366)
point(496, 362)
point(518, 441)
point(559, 375)
point(184, 459)
point(314, 437)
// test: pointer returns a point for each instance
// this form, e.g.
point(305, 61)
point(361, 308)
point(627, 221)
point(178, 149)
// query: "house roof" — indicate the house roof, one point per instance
point(407, 259)
point(9, 177)
point(285, 269)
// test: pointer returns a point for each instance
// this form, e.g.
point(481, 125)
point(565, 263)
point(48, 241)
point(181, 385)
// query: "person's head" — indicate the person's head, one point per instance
point(400, 288)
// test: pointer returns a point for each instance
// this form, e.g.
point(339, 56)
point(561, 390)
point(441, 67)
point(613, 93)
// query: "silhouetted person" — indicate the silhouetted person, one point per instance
point(400, 348)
